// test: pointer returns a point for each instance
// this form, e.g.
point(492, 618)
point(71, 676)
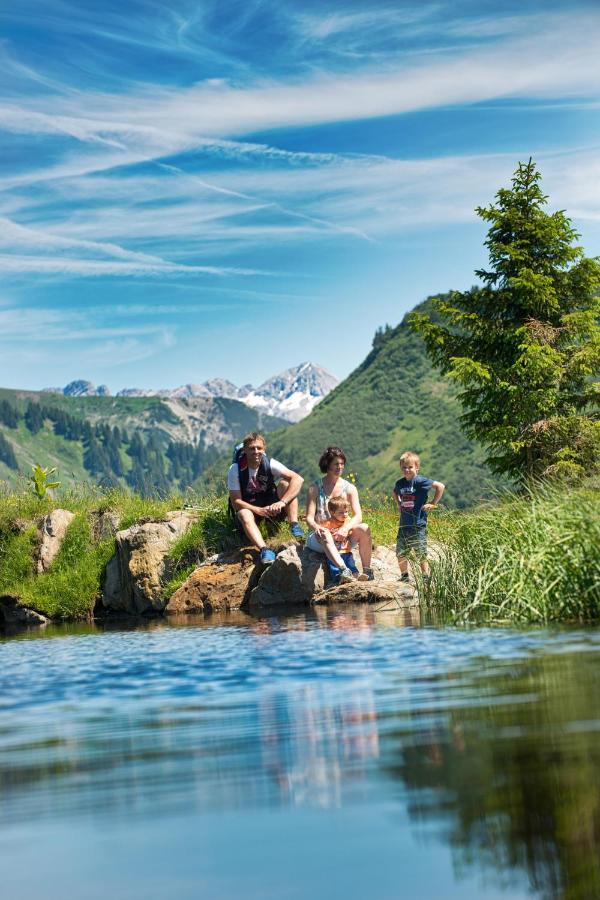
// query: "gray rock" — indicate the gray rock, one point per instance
point(105, 525)
point(299, 578)
point(291, 580)
point(220, 583)
point(135, 575)
point(52, 531)
point(14, 616)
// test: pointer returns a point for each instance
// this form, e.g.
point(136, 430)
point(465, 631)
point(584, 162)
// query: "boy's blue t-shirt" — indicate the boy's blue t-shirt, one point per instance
point(413, 496)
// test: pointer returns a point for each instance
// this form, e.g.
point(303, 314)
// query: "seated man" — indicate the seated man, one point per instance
point(254, 495)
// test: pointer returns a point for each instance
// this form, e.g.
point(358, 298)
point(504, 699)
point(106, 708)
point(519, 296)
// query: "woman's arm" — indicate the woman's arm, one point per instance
point(356, 512)
point(311, 509)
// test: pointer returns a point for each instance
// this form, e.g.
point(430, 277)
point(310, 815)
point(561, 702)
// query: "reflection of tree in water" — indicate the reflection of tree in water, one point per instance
point(514, 772)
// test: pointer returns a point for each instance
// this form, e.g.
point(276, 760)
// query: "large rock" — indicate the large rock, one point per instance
point(14, 616)
point(220, 583)
point(297, 578)
point(52, 531)
point(292, 580)
point(135, 575)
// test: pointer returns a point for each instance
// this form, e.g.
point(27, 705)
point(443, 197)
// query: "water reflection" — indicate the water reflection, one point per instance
point(506, 761)
point(486, 740)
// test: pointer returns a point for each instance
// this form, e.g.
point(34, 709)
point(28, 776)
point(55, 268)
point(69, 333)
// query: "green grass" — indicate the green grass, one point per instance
point(71, 586)
point(529, 558)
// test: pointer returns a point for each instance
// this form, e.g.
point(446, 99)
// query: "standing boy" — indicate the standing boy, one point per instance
point(411, 493)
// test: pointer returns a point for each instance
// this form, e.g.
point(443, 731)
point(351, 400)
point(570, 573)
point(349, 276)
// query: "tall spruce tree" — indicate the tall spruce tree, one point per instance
point(525, 345)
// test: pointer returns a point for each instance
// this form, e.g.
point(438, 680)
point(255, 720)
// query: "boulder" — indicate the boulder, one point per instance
point(52, 531)
point(220, 583)
point(135, 575)
point(292, 580)
point(14, 616)
point(300, 577)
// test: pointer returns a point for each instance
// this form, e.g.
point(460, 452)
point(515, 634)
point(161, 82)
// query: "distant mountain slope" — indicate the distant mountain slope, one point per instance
point(150, 443)
point(394, 401)
point(290, 395)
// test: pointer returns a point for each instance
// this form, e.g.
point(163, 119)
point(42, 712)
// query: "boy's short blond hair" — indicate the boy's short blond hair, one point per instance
point(411, 457)
point(338, 504)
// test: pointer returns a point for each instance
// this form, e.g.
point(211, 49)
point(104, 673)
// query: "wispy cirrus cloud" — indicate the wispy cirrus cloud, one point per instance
point(558, 60)
point(183, 147)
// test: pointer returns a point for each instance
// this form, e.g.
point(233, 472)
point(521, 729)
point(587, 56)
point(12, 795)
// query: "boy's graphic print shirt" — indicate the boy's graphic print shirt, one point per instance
point(413, 496)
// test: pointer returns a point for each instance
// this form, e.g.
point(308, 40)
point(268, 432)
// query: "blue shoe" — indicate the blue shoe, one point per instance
point(297, 531)
point(267, 557)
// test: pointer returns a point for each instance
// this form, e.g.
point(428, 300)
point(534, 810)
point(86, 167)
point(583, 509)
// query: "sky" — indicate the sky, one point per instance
point(200, 189)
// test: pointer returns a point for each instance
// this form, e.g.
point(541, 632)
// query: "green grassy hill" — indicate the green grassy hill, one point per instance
point(394, 401)
point(146, 443)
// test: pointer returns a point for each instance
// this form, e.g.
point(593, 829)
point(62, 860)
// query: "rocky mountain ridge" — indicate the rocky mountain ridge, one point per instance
point(290, 395)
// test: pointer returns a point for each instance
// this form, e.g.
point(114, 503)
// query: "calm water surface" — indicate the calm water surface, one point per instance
point(348, 754)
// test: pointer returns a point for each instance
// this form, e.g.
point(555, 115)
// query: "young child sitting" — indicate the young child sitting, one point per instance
point(338, 512)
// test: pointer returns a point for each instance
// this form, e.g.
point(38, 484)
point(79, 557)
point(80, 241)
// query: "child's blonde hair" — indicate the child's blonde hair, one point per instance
point(338, 504)
point(411, 457)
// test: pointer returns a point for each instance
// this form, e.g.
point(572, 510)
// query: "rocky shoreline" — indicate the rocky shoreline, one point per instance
point(133, 584)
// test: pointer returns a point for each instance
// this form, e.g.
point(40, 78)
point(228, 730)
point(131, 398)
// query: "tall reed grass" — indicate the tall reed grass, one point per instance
point(528, 558)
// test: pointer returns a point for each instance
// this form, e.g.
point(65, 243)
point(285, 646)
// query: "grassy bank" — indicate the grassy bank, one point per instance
point(532, 558)
point(70, 589)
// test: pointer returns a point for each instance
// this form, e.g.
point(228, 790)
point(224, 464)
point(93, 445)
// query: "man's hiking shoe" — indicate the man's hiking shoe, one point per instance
point(346, 576)
point(267, 557)
point(366, 575)
point(297, 531)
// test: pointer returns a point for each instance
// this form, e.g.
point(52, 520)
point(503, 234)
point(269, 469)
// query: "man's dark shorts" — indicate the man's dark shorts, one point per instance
point(412, 538)
point(268, 520)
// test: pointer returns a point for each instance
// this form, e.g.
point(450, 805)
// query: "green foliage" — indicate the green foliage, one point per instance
point(70, 588)
point(7, 454)
point(528, 559)
point(212, 533)
point(39, 481)
point(525, 346)
point(86, 436)
point(394, 401)
point(9, 415)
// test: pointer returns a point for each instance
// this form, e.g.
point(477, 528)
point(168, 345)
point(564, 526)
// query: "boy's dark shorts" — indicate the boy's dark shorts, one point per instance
point(412, 538)
point(268, 520)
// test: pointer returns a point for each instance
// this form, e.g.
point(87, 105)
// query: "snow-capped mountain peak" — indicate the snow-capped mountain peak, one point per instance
point(290, 395)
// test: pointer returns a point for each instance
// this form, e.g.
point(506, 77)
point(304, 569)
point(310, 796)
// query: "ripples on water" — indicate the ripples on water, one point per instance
point(394, 761)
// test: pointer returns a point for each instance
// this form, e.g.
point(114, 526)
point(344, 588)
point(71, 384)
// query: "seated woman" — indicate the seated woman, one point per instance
point(323, 540)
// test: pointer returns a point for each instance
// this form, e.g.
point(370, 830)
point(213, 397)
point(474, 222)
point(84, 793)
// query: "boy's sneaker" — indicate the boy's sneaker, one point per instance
point(366, 575)
point(297, 531)
point(346, 576)
point(267, 557)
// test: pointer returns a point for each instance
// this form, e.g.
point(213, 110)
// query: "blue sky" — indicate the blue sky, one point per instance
point(190, 190)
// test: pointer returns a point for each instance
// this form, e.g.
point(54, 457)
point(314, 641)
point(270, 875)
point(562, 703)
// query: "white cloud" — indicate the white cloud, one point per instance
point(15, 264)
point(558, 59)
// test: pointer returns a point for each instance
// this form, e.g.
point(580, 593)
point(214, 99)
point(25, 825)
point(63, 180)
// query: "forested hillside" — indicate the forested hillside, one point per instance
point(145, 443)
point(394, 401)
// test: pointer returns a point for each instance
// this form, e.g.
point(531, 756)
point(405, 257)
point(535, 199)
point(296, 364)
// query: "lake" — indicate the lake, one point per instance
point(338, 753)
